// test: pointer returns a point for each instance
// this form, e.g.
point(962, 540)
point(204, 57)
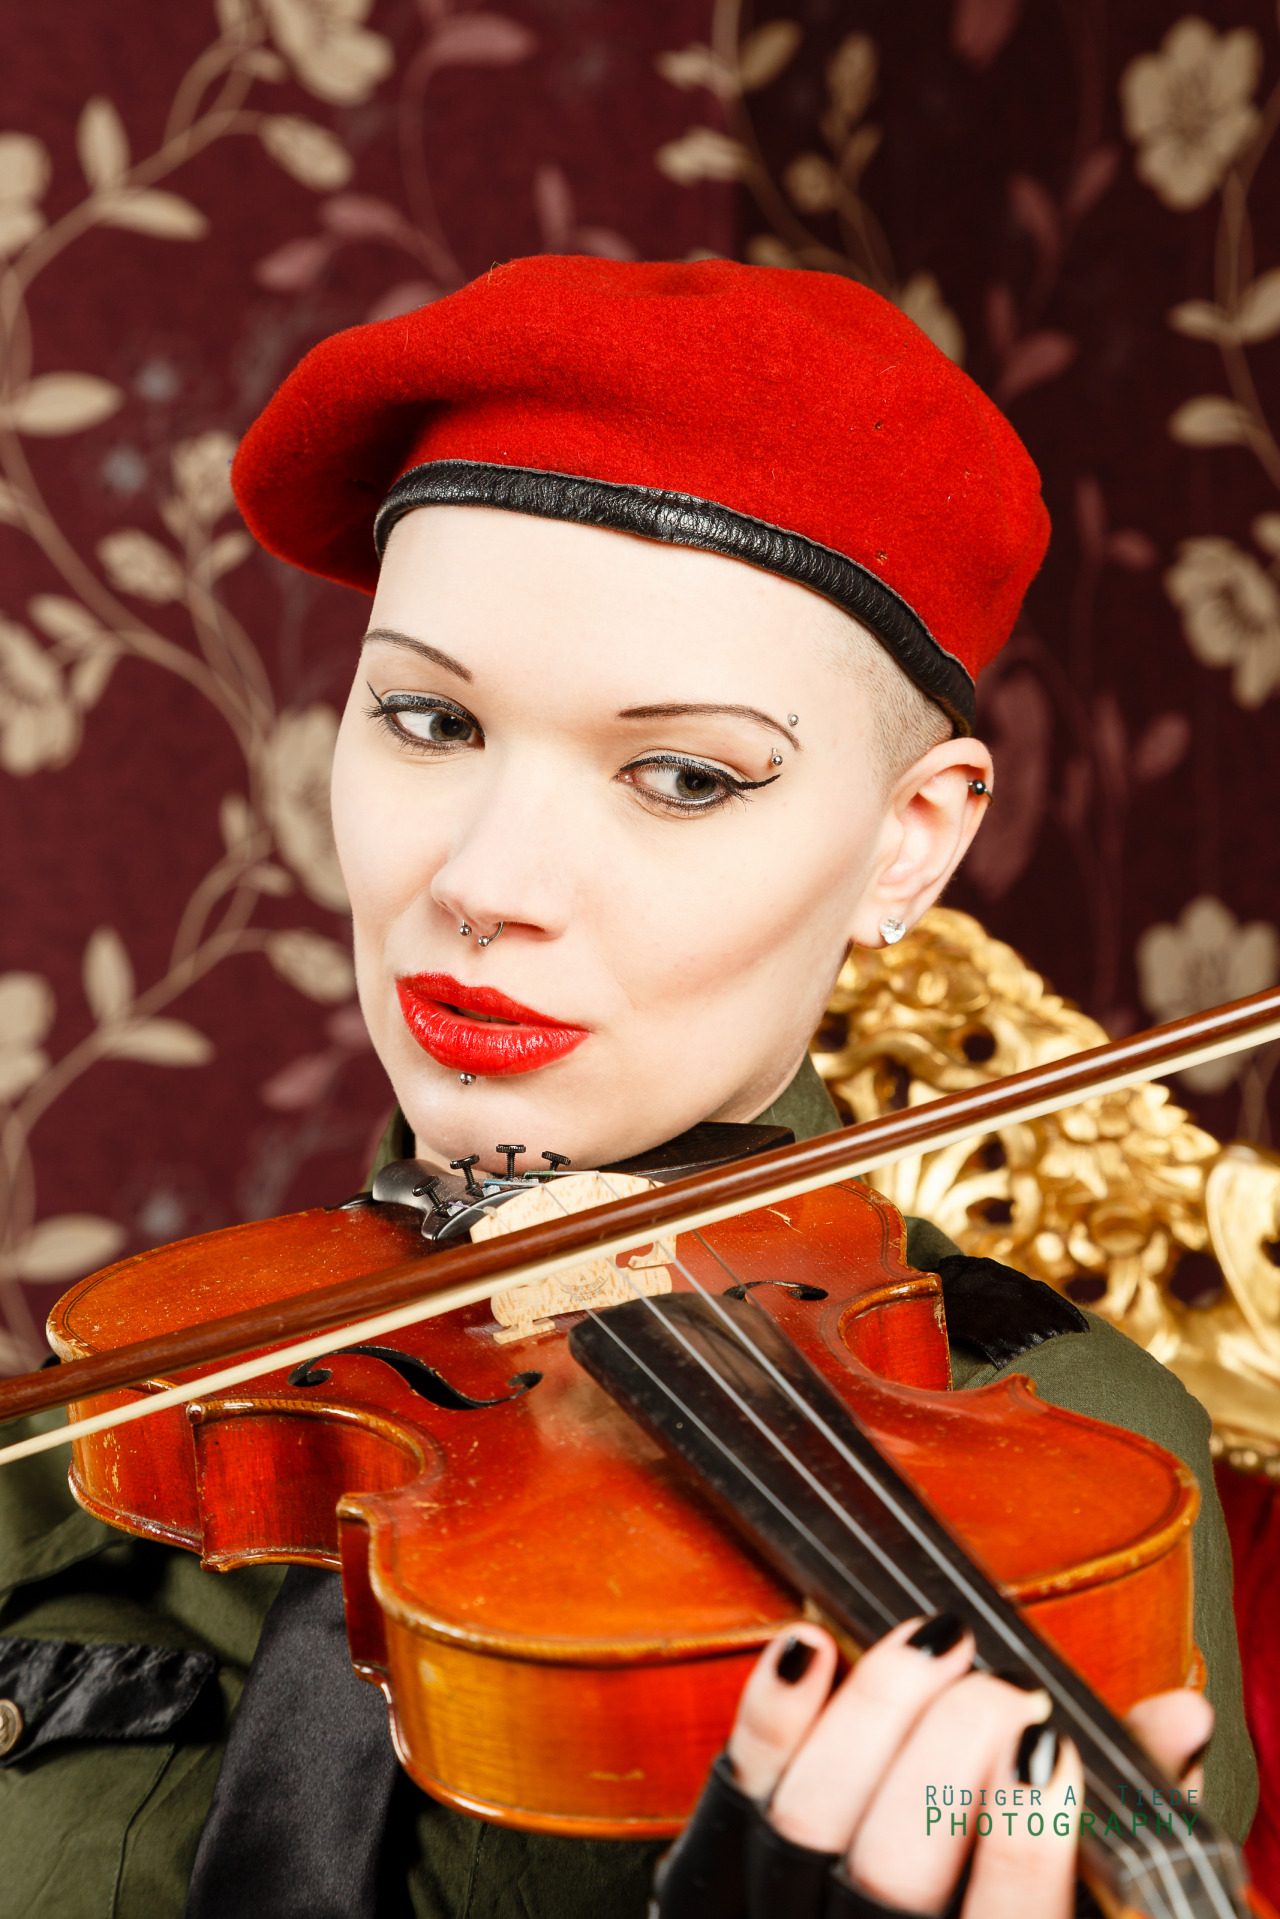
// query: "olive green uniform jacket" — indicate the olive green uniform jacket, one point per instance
point(109, 1830)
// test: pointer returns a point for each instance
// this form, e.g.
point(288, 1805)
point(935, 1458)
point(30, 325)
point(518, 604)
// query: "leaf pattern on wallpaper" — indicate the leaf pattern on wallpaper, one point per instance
point(152, 591)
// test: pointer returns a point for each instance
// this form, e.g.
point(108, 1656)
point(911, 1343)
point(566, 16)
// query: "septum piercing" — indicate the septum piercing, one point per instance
point(491, 937)
point(891, 931)
point(465, 930)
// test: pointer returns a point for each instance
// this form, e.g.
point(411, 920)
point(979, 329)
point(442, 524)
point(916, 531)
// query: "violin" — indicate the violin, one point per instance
point(563, 1544)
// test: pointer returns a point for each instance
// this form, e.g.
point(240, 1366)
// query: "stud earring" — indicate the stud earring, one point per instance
point(891, 931)
point(465, 930)
point(489, 938)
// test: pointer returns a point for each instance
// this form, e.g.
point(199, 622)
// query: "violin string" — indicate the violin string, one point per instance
point(1161, 1856)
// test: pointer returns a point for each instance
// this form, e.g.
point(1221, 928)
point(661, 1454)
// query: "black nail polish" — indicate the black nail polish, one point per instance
point(937, 1635)
point(1194, 1760)
point(794, 1661)
point(1037, 1756)
point(1022, 1680)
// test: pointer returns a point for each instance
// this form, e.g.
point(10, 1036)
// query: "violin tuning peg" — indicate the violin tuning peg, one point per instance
point(511, 1152)
point(557, 1160)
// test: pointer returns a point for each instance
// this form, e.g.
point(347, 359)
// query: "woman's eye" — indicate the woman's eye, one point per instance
point(682, 784)
point(425, 722)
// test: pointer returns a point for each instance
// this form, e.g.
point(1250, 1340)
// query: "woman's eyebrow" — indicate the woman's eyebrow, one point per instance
point(679, 710)
point(390, 637)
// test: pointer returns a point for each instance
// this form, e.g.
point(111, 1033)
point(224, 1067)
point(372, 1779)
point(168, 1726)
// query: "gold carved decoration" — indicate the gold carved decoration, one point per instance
point(1104, 1200)
point(525, 1310)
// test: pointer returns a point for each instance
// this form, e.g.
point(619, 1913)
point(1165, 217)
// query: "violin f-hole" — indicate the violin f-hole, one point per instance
point(796, 1287)
point(419, 1377)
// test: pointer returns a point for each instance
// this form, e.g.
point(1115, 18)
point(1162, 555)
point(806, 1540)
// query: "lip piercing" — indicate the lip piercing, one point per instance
point(468, 1079)
point(489, 938)
point(891, 931)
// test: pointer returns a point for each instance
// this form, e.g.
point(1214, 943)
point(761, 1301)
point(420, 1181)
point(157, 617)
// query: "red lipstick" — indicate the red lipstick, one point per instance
point(454, 1023)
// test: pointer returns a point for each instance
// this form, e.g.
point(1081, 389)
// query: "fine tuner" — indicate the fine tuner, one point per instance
point(450, 1207)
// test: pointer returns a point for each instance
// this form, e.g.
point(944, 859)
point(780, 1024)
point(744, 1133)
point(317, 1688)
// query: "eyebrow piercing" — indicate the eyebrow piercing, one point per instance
point(775, 758)
point(793, 719)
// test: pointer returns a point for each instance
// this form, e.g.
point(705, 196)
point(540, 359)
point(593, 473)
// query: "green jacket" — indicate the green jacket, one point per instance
point(109, 1830)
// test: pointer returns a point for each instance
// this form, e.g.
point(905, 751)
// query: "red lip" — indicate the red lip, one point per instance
point(435, 1008)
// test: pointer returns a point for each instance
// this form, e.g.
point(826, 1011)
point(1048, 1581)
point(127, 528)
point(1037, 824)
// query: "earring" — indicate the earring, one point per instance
point(465, 930)
point(891, 931)
point(489, 938)
point(981, 790)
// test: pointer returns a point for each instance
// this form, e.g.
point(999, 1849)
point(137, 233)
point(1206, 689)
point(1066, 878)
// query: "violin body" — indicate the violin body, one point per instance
point(559, 1620)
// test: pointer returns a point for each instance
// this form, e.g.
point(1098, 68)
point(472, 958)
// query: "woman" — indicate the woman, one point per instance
point(682, 578)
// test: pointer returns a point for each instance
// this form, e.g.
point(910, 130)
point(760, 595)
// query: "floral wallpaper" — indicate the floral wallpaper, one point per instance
point(1076, 199)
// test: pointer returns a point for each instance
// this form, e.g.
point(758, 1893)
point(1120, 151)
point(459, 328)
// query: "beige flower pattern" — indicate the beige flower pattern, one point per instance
point(1189, 108)
point(1230, 607)
point(1206, 958)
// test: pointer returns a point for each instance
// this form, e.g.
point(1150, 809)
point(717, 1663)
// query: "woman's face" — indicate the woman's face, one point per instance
point(649, 765)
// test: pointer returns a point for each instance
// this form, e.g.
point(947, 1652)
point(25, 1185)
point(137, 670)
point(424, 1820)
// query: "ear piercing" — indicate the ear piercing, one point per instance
point(981, 790)
point(891, 931)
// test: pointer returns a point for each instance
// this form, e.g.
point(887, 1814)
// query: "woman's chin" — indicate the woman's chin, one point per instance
point(549, 1111)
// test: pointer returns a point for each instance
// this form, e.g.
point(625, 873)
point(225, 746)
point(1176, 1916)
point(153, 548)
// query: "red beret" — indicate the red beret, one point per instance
point(793, 420)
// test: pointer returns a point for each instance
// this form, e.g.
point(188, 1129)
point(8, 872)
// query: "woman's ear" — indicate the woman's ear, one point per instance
point(930, 817)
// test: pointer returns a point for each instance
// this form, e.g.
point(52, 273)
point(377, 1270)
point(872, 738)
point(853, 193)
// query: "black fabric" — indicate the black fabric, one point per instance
point(703, 1876)
point(299, 1810)
point(68, 1691)
point(784, 1880)
point(844, 1901)
point(1000, 1312)
point(681, 519)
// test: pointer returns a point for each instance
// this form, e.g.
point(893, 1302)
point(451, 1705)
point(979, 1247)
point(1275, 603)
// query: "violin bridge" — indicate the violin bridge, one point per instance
point(524, 1311)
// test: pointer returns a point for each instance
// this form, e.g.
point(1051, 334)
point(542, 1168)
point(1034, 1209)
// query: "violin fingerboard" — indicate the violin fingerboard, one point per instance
point(717, 1383)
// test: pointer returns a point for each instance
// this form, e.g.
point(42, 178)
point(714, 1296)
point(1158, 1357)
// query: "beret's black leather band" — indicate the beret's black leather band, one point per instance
point(680, 519)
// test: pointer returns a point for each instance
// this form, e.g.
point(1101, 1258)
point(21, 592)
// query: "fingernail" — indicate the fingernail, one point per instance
point(1037, 1756)
point(794, 1660)
point(938, 1635)
point(1194, 1760)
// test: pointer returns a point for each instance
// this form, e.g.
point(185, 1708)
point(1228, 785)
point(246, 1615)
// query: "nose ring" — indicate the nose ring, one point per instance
point(491, 937)
point(465, 930)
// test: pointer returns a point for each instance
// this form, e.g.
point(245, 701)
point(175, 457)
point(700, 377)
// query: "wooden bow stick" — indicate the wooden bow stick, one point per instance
point(368, 1308)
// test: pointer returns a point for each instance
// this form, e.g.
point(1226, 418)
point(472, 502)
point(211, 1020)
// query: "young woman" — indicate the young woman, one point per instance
point(682, 576)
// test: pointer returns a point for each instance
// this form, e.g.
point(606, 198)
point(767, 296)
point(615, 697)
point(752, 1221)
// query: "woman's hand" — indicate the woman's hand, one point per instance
point(847, 1774)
